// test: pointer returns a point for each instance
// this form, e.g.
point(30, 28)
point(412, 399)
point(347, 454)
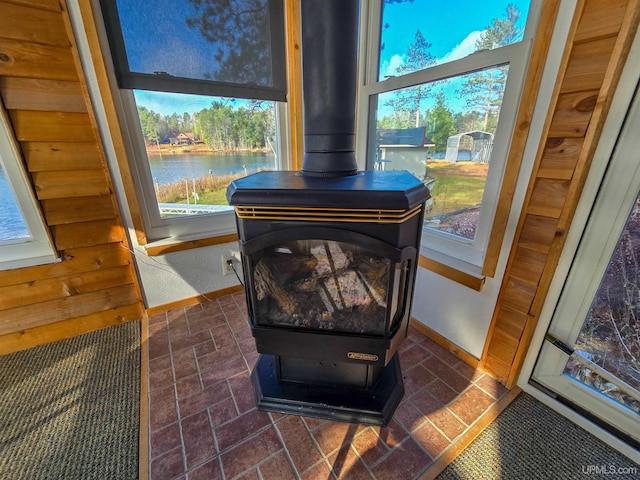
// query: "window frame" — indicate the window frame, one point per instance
point(460, 254)
point(154, 230)
point(38, 249)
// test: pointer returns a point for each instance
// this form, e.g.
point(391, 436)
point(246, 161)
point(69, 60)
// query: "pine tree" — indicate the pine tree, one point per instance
point(417, 58)
point(483, 90)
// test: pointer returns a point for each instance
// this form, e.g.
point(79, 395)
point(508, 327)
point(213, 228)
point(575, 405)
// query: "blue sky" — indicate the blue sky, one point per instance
point(450, 26)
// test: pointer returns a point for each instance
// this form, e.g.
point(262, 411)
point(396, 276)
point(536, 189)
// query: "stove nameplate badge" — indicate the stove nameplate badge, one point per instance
point(369, 357)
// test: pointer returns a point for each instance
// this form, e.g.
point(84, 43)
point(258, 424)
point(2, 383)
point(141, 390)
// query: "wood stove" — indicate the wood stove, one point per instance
point(329, 254)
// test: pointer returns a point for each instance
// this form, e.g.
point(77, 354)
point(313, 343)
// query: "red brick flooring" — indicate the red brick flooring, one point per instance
point(203, 423)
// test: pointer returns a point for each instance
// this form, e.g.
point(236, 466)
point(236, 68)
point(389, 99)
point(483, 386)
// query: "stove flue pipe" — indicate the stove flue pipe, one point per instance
point(329, 82)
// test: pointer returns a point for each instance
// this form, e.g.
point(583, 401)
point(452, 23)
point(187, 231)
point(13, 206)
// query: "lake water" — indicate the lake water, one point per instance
point(12, 226)
point(173, 168)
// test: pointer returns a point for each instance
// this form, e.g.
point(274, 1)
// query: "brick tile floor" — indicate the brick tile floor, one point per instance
point(203, 423)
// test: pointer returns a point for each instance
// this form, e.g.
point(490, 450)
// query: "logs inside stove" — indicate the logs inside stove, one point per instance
point(329, 254)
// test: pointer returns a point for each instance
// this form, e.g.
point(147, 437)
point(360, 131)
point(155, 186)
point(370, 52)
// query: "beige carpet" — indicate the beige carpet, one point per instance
point(70, 409)
point(530, 441)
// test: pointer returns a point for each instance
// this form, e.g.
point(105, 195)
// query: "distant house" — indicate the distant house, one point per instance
point(183, 139)
point(403, 149)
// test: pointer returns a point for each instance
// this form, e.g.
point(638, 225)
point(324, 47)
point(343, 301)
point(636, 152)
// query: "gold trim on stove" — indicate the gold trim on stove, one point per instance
point(326, 214)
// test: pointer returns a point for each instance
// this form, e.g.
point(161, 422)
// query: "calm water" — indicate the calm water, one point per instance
point(173, 168)
point(11, 224)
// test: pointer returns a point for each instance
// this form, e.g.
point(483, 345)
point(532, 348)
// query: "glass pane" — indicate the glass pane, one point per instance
point(610, 335)
point(322, 285)
point(419, 34)
point(197, 145)
point(12, 225)
point(443, 133)
point(223, 41)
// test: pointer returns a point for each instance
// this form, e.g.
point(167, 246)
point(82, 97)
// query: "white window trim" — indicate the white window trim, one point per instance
point(38, 249)
point(160, 230)
point(457, 252)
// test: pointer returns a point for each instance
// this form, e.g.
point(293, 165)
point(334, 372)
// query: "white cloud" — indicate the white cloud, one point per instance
point(389, 67)
point(464, 48)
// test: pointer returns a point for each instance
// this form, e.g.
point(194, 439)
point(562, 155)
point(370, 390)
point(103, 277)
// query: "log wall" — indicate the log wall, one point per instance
point(42, 88)
point(598, 43)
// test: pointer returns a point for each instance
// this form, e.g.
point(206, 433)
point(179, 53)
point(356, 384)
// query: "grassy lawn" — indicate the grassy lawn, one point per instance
point(217, 197)
point(457, 186)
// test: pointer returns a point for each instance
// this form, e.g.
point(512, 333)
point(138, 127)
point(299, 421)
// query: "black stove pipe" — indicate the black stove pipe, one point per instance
point(329, 82)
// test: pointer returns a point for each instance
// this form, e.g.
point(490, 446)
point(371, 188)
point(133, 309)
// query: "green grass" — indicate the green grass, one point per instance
point(458, 186)
point(453, 192)
point(216, 197)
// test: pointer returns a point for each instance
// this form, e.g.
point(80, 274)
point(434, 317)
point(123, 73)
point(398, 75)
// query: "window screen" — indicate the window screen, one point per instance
point(231, 48)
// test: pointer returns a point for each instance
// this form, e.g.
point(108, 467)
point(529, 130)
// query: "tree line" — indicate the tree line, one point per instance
point(223, 126)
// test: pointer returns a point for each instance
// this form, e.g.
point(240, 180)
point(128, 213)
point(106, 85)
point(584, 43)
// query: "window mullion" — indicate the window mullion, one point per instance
point(471, 63)
point(371, 18)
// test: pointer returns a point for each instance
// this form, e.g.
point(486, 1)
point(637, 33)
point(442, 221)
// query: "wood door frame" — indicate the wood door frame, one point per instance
point(618, 112)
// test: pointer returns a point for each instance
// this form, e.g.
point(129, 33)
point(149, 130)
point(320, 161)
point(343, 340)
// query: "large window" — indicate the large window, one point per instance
point(24, 240)
point(201, 90)
point(439, 91)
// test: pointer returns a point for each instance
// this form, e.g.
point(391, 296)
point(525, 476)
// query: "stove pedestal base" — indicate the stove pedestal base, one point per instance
point(374, 406)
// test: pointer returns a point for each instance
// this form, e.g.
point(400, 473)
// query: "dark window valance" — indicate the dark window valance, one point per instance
point(229, 48)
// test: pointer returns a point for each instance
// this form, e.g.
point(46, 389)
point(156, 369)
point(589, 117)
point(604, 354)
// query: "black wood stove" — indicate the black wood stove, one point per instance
point(329, 254)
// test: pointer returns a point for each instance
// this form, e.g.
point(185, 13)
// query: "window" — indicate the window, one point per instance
point(24, 240)
point(201, 86)
point(440, 88)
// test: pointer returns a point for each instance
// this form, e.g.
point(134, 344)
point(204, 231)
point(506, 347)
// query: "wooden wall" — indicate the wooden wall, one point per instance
point(94, 285)
point(598, 43)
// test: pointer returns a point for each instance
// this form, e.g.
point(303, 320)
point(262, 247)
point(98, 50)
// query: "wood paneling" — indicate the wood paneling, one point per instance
point(94, 284)
point(560, 158)
point(33, 25)
point(599, 40)
point(14, 341)
point(75, 210)
point(572, 114)
point(75, 183)
point(61, 156)
point(35, 94)
point(37, 291)
point(548, 197)
point(294, 87)
point(63, 308)
point(528, 265)
point(74, 262)
point(538, 232)
point(587, 65)
point(601, 19)
point(52, 5)
point(37, 126)
point(34, 60)
point(85, 234)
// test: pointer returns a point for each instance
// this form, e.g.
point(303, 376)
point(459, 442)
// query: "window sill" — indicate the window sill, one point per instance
point(456, 270)
point(172, 245)
point(29, 262)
